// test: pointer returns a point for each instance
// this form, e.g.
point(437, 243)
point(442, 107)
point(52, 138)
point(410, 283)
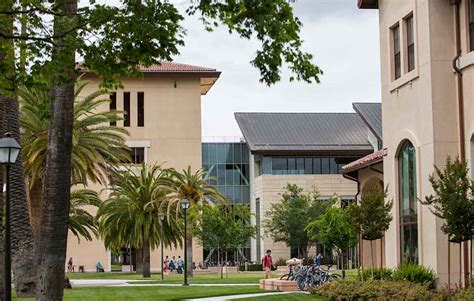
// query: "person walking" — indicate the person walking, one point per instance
point(267, 264)
point(172, 264)
point(180, 262)
point(70, 265)
point(318, 260)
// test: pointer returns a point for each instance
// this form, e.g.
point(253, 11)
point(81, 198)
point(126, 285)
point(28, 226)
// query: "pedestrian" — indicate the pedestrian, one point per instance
point(99, 268)
point(318, 260)
point(267, 264)
point(70, 265)
point(166, 263)
point(172, 264)
point(180, 262)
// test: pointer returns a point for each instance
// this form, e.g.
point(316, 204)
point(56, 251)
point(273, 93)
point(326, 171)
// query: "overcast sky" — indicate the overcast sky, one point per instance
point(343, 39)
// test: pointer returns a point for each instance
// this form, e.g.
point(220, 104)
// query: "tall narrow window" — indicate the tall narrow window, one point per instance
point(407, 204)
point(113, 105)
point(397, 63)
point(140, 109)
point(471, 24)
point(126, 108)
point(410, 43)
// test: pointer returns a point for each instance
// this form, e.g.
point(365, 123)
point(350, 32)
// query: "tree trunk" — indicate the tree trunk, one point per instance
point(57, 180)
point(139, 260)
point(22, 247)
point(35, 205)
point(189, 241)
point(449, 264)
point(372, 257)
point(2, 274)
point(146, 260)
point(219, 264)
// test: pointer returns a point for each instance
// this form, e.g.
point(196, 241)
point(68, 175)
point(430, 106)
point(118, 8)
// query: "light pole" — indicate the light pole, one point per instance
point(162, 218)
point(9, 150)
point(185, 206)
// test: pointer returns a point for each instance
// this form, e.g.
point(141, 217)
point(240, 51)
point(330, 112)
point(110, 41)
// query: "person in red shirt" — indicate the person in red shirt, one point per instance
point(267, 264)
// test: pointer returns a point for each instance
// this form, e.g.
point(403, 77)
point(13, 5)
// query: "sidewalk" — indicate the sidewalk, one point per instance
point(122, 283)
point(243, 296)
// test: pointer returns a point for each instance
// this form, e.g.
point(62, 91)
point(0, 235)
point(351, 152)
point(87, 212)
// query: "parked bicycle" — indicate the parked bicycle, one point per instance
point(313, 276)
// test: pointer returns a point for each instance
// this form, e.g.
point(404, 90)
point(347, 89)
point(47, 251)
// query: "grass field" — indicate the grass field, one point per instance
point(247, 277)
point(151, 293)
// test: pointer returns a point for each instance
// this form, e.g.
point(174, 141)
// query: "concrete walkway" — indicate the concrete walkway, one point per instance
point(243, 296)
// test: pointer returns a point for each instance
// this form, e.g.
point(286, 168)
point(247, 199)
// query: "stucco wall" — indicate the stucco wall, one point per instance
point(420, 107)
point(173, 132)
point(268, 188)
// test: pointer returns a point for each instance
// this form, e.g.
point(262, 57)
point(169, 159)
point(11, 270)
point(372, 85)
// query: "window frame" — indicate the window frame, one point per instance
point(410, 45)
point(140, 109)
point(126, 109)
point(396, 51)
point(113, 106)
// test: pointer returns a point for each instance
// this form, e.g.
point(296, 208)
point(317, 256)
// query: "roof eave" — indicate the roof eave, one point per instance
point(368, 4)
point(362, 166)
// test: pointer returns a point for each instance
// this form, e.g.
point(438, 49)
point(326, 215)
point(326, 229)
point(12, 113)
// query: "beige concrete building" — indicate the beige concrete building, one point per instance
point(163, 117)
point(306, 149)
point(427, 63)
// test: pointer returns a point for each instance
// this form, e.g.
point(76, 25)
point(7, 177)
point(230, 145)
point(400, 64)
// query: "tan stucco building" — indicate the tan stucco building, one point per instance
point(163, 117)
point(306, 149)
point(427, 64)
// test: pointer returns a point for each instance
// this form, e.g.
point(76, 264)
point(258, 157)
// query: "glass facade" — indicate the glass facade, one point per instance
point(227, 165)
point(408, 204)
point(278, 165)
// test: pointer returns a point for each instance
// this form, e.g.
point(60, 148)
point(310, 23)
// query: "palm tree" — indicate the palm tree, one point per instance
point(130, 217)
point(198, 190)
point(81, 222)
point(96, 144)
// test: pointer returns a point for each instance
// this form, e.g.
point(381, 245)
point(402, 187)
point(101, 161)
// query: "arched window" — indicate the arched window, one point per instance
point(408, 202)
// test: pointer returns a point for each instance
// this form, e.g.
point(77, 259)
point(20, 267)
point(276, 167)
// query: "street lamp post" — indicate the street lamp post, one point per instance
point(185, 206)
point(162, 218)
point(9, 150)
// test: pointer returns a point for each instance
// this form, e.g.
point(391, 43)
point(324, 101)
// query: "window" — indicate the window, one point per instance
point(396, 51)
point(113, 106)
point(410, 43)
point(471, 24)
point(407, 204)
point(126, 108)
point(140, 109)
point(279, 165)
point(137, 155)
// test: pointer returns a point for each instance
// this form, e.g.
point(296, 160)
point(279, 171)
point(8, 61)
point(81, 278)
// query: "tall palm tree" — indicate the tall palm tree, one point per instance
point(81, 222)
point(130, 217)
point(198, 190)
point(96, 144)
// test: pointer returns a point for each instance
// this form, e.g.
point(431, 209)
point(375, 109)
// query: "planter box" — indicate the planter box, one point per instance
point(278, 285)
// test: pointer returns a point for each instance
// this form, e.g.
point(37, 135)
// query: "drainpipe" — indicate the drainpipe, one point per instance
point(460, 100)
point(361, 245)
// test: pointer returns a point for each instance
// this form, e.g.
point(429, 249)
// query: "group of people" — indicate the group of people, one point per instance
point(70, 267)
point(169, 265)
point(267, 263)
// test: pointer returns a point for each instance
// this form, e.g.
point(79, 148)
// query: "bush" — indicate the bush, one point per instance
point(280, 261)
point(376, 290)
point(376, 274)
point(254, 267)
point(415, 274)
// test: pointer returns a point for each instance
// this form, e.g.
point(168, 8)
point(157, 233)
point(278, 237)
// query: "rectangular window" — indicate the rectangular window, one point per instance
point(292, 166)
point(397, 63)
point(333, 166)
point(317, 166)
point(471, 24)
point(308, 166)
point(300, 165)
point(137, 155)
point(126, 108)
point(140, 109)
point(279, 166)
point(113, 106)
point(410, 43)
point(325, 166)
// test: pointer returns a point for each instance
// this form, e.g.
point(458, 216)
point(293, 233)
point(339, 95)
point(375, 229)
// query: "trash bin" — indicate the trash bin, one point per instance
point(81, 269)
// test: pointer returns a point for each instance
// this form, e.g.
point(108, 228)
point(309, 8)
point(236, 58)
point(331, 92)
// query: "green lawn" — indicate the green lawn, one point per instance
point(152, 293)
point(287, 297)
point(247, 277)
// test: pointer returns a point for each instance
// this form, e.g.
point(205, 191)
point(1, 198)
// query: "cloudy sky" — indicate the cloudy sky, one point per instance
point(343, 40)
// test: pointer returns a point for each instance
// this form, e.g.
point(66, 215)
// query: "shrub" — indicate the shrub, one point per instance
point(376, 290)
point(376, 274)
point(416, 274)
point(254, 267)
point(280, 261)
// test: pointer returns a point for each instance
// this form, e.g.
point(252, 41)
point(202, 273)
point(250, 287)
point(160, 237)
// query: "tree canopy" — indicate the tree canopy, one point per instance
point(286, 220)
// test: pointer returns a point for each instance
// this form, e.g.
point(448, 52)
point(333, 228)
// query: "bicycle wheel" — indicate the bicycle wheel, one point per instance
point(285, 277)
point(300, 282)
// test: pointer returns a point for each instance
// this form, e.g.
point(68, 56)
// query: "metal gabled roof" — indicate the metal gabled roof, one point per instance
point(293, 132)
point(371, 113)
